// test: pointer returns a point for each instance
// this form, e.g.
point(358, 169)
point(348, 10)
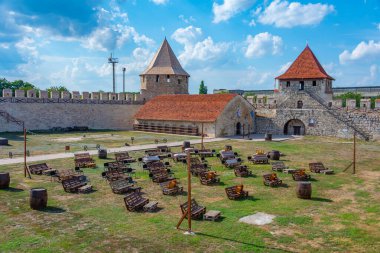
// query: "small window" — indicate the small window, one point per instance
point(287, 84)
point(314, 83)
point(168, 78)
point(302, 85)
point(179, 81)
point(157, 78)
point(299, 104)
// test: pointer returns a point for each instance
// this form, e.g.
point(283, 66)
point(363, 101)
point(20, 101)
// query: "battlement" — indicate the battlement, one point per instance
point(42, 96)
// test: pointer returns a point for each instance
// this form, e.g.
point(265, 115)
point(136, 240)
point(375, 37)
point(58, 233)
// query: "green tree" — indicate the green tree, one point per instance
point(202, 88)
point(16, 85)
point(57, 88)
point(350, 95)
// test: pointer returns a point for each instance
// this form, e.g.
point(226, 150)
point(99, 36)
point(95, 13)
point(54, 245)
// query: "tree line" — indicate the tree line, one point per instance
point(22, 85)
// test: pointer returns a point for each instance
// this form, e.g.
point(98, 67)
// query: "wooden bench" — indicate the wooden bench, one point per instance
point(209, 178)
point(160, 175)
point(170, 188)
point(271, 180)
point(300, 175)
point(85, 162)
point(124, 157)
point(318, 167)
point(133, 201)
point(206, 152)
point(242, 171)
point(279, 166)
point(236, 192)
point(72, 185)
point(259, 159)
point(231, 163)
point(120, 186)
point(197, 211)
point(38, 169)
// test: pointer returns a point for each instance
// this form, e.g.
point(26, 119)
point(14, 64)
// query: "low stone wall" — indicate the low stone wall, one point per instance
point(45, 116)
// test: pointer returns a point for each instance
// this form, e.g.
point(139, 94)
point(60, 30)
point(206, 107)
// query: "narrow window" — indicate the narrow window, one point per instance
point(168, 78)
point(302, 85)
point(157, 78)
point(287, 84)
point(179, 81)
point(299, 104)
point(314, 83)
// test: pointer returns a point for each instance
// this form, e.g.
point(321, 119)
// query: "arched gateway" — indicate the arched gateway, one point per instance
point(294, 127)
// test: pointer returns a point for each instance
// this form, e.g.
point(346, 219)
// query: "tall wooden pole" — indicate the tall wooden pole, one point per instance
point(202, 138)
point(188, 197)
point(354, 171)
point(24, 151)
point(189, 191)
point(26, 170)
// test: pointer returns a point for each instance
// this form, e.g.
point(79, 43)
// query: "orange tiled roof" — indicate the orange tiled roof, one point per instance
point(198, 108)
point(306, 66)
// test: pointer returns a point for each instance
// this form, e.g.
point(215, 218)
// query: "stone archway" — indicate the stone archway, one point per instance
point(294, 127)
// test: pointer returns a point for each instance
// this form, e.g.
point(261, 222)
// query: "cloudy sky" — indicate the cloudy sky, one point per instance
point(236, 44)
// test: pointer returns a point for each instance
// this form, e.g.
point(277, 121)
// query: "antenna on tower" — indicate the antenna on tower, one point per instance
point(113, 61)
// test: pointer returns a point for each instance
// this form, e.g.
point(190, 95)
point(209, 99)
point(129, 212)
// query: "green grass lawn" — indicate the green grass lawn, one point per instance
point(342, 216)
point(47, 143)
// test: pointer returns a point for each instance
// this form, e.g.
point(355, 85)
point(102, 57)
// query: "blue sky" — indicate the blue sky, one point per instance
point(234, 44)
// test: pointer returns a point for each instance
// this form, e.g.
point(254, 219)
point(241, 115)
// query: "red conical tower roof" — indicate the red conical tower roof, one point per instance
point(306, 66)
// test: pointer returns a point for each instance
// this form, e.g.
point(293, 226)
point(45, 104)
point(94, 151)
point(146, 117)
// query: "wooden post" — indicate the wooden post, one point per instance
point(188, 197)
point(189, 191)
point(202, 147)
point(354, 170)
point(26, 170)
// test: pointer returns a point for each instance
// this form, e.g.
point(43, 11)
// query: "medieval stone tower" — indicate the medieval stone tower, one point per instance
point(164, 75)
point(306, 74)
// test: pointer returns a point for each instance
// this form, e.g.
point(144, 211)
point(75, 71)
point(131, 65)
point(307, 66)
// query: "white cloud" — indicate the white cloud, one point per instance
point(158, 2)
point(252, 77)
point(362, 51)
point(101, 39)
point(373, 75)
point(186, 35)
point(378, 26)
point(284, 67)
point(252, 23)
point(229, 8)
point(284, 14)
point(262, 44)
point(196, 49)
point(186, 20)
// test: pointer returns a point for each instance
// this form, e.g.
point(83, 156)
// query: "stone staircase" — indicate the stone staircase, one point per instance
point(343, 117)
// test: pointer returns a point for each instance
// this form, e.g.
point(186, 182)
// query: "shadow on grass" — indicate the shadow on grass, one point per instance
point(11, 189)
point(313, 180)
point(249, 198)
point(241, 242)
point(52, 209)
point(321, 199)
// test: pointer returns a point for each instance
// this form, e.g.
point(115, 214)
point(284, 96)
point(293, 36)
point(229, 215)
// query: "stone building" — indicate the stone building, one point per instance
point(164, 75)
point(304, 105)
point(218, 114)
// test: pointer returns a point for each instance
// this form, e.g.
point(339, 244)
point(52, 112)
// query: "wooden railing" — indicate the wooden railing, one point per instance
point(167, 129)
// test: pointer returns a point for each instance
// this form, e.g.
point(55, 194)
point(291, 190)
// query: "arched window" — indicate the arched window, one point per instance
point(299, 104)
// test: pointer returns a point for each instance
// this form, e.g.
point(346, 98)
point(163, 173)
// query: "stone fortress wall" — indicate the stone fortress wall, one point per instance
point(96, 110)
point(316, 119)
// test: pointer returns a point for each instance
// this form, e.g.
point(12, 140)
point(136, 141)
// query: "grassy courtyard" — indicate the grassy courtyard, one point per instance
point(342, 216)
point(47, 143)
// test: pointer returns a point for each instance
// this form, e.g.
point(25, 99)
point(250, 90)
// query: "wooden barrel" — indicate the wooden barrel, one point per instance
point(304, 190)
point(38, 198)
point(274, 155)
point(4, 180)
point(102, 153)
point(67, 147)
point(268, 137)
